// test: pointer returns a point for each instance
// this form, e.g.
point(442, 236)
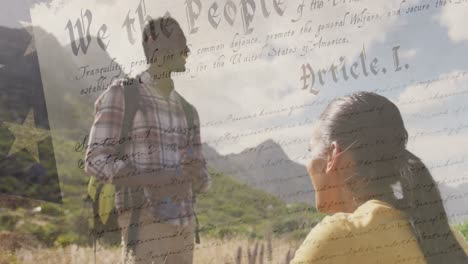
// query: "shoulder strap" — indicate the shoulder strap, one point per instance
point(132, 103)
point(189, 117)
point(188, 110)
point(132, 98)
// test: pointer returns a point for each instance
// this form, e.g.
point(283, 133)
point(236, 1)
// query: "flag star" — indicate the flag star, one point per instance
point(27, 136)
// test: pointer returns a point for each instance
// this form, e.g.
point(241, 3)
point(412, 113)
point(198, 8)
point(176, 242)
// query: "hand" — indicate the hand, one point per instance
point(186, 156)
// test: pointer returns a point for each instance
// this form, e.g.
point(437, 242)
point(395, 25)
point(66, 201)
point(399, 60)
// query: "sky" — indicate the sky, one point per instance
point(432, 42)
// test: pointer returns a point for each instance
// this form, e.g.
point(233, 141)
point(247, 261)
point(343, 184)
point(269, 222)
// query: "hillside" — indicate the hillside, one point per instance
point(21, 92)
point(456, 202)
point(265, 167)
point(232, 208)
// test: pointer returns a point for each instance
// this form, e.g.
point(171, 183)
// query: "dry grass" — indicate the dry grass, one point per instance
point(210, 251)
point(244, 251)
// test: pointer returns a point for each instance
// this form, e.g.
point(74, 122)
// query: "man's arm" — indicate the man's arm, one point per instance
point(100, 159)
point(194, 161)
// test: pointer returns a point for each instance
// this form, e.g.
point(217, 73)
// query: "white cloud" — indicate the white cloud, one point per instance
point(453, 16)
point(434, 116)
point(408, 54)
point(417, 98)
point(428, 149)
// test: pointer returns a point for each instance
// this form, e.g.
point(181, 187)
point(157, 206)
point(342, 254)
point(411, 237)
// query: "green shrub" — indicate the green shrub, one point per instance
point(51, 209)
point(286, 225)
point(47, 233)
point(66, 239)
point(7, 257)
point(8, 221)
point(463, 228)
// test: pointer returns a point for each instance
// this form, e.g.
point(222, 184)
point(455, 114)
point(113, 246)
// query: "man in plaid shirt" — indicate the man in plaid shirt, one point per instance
point(161, 158)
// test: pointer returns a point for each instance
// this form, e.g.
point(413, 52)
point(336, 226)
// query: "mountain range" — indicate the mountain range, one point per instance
point(265, 167)
point(455, 202)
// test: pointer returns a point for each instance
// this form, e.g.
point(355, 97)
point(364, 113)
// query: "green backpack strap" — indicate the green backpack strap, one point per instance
point(131, 98)
point(101, 194)
point(132, 104)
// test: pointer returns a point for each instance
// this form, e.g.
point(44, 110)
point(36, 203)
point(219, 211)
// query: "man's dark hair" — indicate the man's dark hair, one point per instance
point(160, 30)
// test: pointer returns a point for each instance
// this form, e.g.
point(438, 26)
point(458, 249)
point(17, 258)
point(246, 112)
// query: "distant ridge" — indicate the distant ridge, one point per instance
point(455, 202)
point(265, 167)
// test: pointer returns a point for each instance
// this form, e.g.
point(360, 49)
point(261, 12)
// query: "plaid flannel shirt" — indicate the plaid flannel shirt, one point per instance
point(159, 132)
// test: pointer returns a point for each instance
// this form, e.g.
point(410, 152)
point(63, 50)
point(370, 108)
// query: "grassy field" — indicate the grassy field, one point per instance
point(239, 224)
point(24, 250)
point(210, 251)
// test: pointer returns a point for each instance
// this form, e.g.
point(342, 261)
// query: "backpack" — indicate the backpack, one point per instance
point(102, 195)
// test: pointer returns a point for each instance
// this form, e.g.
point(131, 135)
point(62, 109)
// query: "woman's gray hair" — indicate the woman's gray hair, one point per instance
point(374, 125)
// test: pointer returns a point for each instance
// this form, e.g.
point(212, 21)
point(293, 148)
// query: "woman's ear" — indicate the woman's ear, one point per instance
point(333, 156)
